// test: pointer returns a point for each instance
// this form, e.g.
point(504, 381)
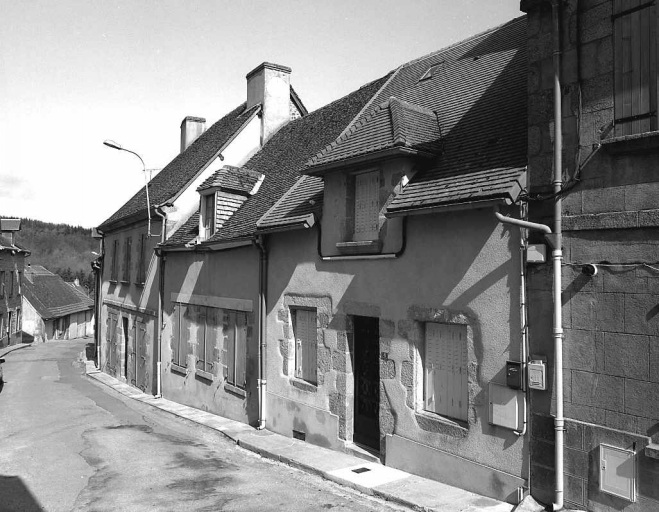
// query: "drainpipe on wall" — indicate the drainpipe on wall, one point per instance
point(263, 281)
point(557, 254)
point(161, 290)
point(98, 282)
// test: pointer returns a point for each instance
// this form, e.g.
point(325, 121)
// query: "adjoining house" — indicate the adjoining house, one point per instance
point(54, 309)
point(12, 263)
point(350, 284)
point(607, 76)
point(131, 276)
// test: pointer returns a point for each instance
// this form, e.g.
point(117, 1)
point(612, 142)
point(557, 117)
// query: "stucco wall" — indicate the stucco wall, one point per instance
point(460, 267)
point(227, 280)
point(134, 301)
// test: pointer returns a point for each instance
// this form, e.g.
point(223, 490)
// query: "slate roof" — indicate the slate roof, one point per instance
point(185, 167)
point(50, 296)
point(477, 87)
point(449, 188)
point(281, 159)
point(297, 208)
point(235, 179)
point(477, 90)
point(392, 124)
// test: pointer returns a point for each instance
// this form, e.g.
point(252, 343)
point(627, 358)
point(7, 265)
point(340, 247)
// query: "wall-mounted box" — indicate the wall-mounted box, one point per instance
point(536, 371)
point(506, 406)
point(514, 374)
point(618, 472)
point(536, 253)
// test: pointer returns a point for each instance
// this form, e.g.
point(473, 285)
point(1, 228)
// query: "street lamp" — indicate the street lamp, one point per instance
point(115, 145)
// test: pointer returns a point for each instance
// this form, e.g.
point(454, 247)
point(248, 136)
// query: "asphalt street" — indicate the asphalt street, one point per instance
point(70, 444)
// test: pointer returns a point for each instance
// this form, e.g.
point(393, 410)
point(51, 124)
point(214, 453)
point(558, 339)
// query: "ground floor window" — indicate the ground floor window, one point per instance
point(305, 332)
point(445, 370)
point(235, 343)
point(200, 330)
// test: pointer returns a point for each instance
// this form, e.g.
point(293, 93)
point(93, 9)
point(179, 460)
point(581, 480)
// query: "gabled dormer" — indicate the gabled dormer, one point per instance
point(222, 195)
point(365, 168)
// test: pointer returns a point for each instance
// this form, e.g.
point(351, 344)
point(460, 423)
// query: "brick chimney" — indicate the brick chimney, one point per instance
point(270, 85)
point(191, 129)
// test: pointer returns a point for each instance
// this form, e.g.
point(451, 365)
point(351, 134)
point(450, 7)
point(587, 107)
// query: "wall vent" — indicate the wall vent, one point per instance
point(298, 434)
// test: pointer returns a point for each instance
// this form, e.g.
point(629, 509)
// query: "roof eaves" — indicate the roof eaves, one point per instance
point(371, 156)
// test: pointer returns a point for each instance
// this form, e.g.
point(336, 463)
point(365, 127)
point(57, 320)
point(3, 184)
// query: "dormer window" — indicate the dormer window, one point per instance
point(208, 215)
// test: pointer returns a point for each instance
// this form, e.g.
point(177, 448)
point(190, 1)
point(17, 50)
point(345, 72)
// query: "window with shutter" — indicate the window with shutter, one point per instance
point(235, 336)
point(11, 283)
point(209, 215)
point(306, 344)
point(141, 262)
point(367, 206)
point(127, 251)
point(635, 72)
point(114, 270)
point(2, 284)
point(445, 370)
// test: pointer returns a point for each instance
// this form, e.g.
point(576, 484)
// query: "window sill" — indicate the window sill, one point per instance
point(139, 284)
point(648, 141)
point(123, 281)
point(181, 370)
point(235, 390)
point(304, 385)
point(362, 247)
point(202, 375)
point(431, 422)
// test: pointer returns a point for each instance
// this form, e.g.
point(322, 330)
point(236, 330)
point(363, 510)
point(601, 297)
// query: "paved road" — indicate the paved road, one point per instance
point(67, 443)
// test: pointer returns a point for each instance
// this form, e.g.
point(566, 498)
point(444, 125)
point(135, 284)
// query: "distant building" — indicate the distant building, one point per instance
point(12, 262)
point(54, 309)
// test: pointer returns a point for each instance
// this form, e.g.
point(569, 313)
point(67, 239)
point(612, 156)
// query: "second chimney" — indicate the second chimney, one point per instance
point(270, 85)
point(191, 129)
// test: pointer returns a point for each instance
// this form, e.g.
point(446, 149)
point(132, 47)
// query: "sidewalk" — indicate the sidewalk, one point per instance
point(370, 478)
point(6, 350)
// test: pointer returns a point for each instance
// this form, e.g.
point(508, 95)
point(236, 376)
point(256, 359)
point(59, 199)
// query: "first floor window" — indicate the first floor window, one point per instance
point(367, 206)
point(445, 370)
point(114, 267)
point(11, 283)
point(141, 261)
point(235, 342)
point(2, 284)
point(305, 333)
point(127, 251)
point(180, 333)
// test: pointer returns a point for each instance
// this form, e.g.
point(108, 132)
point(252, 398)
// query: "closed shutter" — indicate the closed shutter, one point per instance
point(367, 190)
point(141, 264)
point(635, 54)
point(446, 390)
point(198, 335)
point(306, 345)
point(230, 342)
point(241, 349)
point(213, 333)
point(127, 251)
point(176, 333)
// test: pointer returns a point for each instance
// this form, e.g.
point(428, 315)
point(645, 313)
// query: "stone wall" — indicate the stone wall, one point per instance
point(611, 344)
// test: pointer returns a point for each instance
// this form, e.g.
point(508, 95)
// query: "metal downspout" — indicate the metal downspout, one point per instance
point(263, 282)
point(557, 255)
point(99, 293)
point(161, 291)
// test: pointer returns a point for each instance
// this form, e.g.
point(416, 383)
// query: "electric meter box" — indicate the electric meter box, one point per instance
point(536, 370)
point(536, 253)
point(514, 374)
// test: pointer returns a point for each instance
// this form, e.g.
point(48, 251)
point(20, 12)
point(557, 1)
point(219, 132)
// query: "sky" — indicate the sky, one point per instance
point(74, 73)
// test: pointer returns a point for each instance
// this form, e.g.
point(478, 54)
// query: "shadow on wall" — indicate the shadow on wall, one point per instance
point(15, 495)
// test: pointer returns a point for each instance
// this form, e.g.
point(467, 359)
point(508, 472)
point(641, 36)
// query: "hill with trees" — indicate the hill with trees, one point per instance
point(63, 249)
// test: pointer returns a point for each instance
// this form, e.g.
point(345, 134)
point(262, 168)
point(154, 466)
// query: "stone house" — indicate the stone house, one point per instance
point(607, 77)
point(12, 265)
point(129, 297)
point(54, 309)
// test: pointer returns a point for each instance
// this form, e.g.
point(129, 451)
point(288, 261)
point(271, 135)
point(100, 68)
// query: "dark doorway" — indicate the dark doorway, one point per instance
point(367, 381)
point(124, 325)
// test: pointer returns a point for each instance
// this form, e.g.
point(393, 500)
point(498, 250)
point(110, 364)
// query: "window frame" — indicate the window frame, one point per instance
point(635, 76)
point(446, 408)
point(114, 267)
point(11, 283)
point(233, 355)
point(209, 220)
point(372, 194)
point(307, 339)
